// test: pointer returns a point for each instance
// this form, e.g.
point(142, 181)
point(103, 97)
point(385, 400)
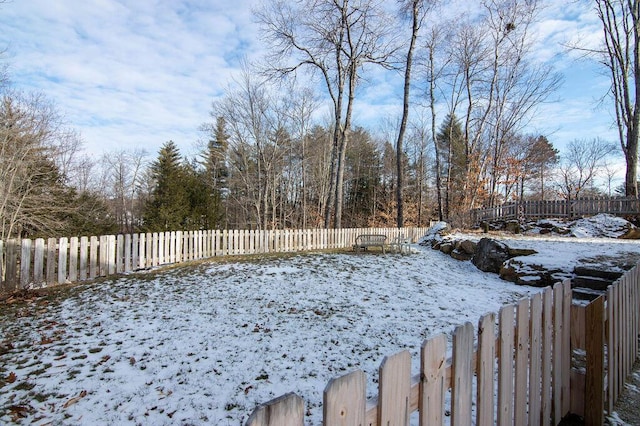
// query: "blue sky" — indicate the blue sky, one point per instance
point(134, 74)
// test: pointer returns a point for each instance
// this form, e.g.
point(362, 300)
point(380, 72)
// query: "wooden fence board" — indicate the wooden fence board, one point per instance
point(62, 260)
point(127, 261)
point(93, 258)
point(485, 370)
point(111, 254)
point(535, 360)
point(556, 357)
point(594, 388)
point(566, 346)
point(103, 256)
point(611, 338)
point(84, 257)
point(462, 375)
point(73, 259)
point(506, 365)
point(38, 262)
point(51, 260)
point(11, 270)
point(394, 389)
point(345, 400)
point(25, 263)
point(547, 340)
point(521, 362)
point(287, 410)
point(119, 254)
point(433, 366)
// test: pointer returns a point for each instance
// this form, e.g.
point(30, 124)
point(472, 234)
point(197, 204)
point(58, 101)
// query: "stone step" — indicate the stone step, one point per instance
point(594, 283)
point(588, 294)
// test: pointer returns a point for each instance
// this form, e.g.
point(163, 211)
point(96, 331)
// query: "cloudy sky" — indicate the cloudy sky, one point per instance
point(136, 73)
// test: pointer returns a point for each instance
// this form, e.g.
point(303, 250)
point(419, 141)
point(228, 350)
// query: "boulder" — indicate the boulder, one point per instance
point(446, 247)
point(632, 233)
point(461, 255)
point(490, 255)
point(513, 226)
point(468, 247)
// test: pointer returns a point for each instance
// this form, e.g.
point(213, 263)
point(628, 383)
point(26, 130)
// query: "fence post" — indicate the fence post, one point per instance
point(433, 386)
point(345, 400)
point(287, 410)
point(594, 386)
point(25, 263)
point(462, 375)
point(394, 389)
point(1, 265)
point(11, 270)
point(51, 260)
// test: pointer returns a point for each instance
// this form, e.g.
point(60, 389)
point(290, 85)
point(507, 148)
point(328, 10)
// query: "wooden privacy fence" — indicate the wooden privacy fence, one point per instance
point(544, 358)
point(38, 263)
point(621, 206)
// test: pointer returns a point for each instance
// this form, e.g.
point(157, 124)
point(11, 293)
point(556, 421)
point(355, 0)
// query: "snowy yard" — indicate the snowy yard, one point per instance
point(205, 344)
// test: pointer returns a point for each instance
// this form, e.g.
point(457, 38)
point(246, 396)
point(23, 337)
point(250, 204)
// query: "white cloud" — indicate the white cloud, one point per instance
point(128, 74)
point(131, 74)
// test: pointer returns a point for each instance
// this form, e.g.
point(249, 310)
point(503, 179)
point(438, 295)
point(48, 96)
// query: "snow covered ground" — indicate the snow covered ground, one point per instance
point(207, 343)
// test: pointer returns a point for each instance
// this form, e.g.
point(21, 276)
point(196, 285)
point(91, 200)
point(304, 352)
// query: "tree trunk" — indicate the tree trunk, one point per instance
point(405, 114)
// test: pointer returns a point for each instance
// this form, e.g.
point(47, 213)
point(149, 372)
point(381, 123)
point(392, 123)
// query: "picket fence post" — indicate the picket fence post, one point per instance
point(287, 410)
point(25, 263)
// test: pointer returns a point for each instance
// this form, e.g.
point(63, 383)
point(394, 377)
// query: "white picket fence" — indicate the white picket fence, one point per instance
point(39, 263)
point(530, 355)
point(549, 357)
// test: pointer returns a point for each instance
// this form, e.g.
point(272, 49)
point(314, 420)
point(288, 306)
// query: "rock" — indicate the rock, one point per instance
point(468, 247)
point(631, 234)
point(516, 271)
point(490, 255)
point(515, 252)
point(597, 272)
point(513, 226)
point(446, 248)
point(461, 255)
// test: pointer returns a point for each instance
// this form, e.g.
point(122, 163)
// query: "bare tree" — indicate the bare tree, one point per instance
point(33, 196)
point(621, 57)
point(123, 178)
point(580, 166)
point(334, 39)
point(416, 9)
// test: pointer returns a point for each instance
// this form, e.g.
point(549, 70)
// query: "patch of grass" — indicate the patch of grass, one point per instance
point(26, 386)
point(71, 375)
point(41, 370)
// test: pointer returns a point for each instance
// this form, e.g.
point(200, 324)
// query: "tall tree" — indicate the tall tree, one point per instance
point(580, 166)
point(335, 39)
point(216, 172)
point(34, 197)
point(453, 159)
point(168, 206)
point(621, 56)
point(415, 9)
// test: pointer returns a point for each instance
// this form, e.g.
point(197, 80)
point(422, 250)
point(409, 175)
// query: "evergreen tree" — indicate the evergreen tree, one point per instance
point(168, 206)
point(453, 160)
point(216, 173)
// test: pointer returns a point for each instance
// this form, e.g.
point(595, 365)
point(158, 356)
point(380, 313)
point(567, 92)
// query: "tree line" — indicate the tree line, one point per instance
point(270, 159)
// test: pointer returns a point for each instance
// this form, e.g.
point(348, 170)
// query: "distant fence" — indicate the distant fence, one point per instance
point(522, 375)
point(620, 206)
point(40, 263)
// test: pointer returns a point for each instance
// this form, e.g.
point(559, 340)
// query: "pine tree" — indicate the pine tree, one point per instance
point(168, 206)
point(453, 160)
point(215, 175)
